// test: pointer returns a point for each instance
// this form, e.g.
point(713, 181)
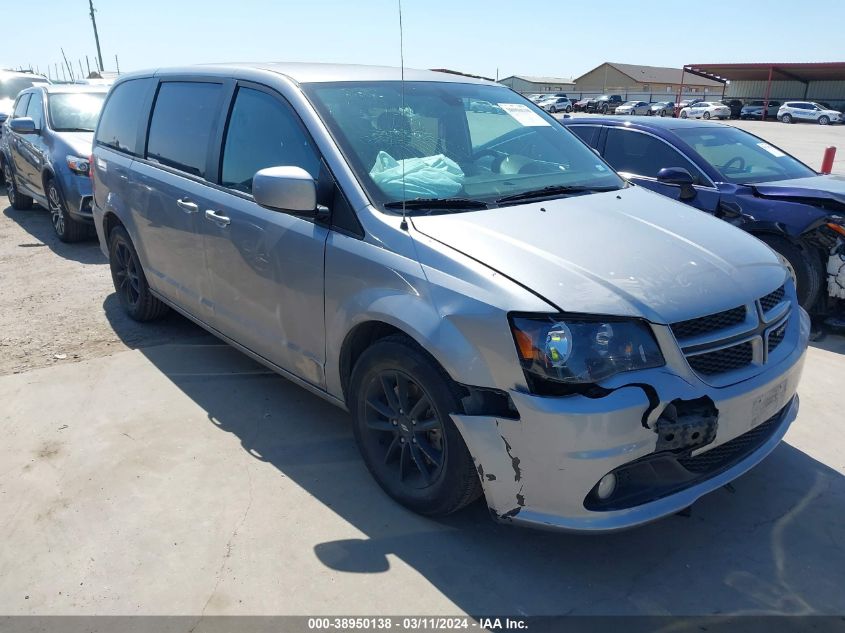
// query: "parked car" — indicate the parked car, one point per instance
point(662, 108)
point(373, 282)
point(581, 104)
point(537, 97)
point(45, 151)
point(685, 103)
point(633, 107)
point(556, 104)
point(735, 106)
point(605, 104)
point(754, 110)
point(797, 111)
point(706, 110)
point(745, 180)
point(11, 83)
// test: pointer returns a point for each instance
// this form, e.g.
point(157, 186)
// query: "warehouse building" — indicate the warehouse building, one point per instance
point(529, 85)
point(650, 83)
point(819, 81)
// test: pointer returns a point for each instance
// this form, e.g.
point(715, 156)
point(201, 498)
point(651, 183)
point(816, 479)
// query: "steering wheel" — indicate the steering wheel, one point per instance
point(736, 159)
point(497, 158)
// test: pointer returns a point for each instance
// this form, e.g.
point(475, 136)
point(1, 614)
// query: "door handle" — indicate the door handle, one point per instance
point(216, 216)
point(187, 206)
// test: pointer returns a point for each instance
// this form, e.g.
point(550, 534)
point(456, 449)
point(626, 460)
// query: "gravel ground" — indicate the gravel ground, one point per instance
point(57, 303)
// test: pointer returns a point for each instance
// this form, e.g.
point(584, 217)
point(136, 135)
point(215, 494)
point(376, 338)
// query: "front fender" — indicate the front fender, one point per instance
point(454, 309)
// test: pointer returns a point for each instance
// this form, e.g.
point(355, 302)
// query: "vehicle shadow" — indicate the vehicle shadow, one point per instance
point(831, 341)
point(36, 222)
point(773, 542)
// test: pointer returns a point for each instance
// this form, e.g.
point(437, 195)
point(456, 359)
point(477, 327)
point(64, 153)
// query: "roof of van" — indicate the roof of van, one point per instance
point(320, 73)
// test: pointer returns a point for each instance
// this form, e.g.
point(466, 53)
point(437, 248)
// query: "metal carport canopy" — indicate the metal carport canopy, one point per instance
point(803, 72)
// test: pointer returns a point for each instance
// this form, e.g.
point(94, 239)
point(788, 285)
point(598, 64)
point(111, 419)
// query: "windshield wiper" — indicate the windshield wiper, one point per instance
point(553, 190)
point(438, 203)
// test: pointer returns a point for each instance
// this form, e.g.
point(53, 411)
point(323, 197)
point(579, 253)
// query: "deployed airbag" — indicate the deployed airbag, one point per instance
point(427, 177)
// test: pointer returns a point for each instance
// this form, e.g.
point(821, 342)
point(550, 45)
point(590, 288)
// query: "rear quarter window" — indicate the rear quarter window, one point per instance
point(122, 115)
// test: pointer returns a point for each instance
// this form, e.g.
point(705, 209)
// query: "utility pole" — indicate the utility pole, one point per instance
point(96, 35)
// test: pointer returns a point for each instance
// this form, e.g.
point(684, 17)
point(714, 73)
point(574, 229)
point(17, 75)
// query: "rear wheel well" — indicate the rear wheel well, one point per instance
point(110, 220)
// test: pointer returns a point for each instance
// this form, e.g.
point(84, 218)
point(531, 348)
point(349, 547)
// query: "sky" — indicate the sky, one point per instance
point(482, 37)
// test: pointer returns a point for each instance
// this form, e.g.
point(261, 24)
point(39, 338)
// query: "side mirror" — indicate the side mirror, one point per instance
point(680, 177)
point(23, 125)
point(290, 189)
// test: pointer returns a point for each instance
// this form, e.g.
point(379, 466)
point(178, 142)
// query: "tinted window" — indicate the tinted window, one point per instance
point(20, 107)
point(263, 132)
point(122, 115)
point(182, 125)
point(641, 154)
point(35, 111)
point(587, 133)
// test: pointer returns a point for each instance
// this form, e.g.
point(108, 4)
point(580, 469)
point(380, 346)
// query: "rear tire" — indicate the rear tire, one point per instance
point(706, 115)
point(66, 228)
point(18, 201)
point(129, 280)
point(806, 266)
point(400, 400)
point(684, 115)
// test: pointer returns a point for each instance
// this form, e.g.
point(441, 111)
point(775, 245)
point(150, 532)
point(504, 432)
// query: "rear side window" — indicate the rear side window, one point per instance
point(20, 108)
point(587, 133)
point(643, 155)
point(122, 114)
point(263, 132)
point(182, 125)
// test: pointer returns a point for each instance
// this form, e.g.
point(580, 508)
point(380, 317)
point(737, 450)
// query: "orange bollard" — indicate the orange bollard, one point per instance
point(827, 161)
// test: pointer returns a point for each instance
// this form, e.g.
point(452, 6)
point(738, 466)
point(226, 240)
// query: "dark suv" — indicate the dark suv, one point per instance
point(45, 150)
point(605, 104)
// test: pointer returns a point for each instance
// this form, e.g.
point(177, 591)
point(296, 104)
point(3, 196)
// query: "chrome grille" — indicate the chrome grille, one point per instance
point(733, 339)
point(772, 299)
point(723, 360)
point(709, 323)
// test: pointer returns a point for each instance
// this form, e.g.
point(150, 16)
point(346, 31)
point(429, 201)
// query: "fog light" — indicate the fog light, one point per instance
point(606, 486)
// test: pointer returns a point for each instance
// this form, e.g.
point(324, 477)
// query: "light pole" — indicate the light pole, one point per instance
point(96, 35)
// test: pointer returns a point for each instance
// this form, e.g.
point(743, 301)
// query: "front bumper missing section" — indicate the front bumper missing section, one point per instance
point(540, 470)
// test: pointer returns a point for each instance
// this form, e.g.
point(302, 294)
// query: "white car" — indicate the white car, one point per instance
point(792, 111)
point(633, 107)
point(556, 104)
point(706, 110)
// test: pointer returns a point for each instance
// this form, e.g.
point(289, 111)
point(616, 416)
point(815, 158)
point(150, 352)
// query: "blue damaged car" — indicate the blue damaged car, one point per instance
point(743, 179)
point(45, 150)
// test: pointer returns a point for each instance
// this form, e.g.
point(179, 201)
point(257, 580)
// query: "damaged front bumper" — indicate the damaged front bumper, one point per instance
point(543, 469)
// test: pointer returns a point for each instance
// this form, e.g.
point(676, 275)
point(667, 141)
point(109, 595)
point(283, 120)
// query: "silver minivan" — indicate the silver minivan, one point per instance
point(500, 312)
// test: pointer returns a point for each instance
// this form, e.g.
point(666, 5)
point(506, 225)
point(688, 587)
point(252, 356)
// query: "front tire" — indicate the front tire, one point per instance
point(786, 118)
point(66, 228)
point(129, 280)
point(684, 115)
point(18, 201)
point(401, 401)
point(706, 115)
point(806, 268)
point(824, 120)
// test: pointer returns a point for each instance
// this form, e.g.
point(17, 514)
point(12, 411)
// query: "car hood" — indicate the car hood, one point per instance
point(80, 143)
point(628, 253)
point(813, 187)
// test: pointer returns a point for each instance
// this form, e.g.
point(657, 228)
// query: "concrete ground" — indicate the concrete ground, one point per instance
point(158, 471)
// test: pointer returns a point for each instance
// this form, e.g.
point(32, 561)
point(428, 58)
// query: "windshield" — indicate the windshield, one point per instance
point(741, 157)
point(9, 88)
point(75, 111)
point(438, 147)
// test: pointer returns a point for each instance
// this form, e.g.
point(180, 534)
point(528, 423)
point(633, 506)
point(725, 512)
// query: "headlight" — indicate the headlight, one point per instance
point(79, 165)
point(559, 354)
